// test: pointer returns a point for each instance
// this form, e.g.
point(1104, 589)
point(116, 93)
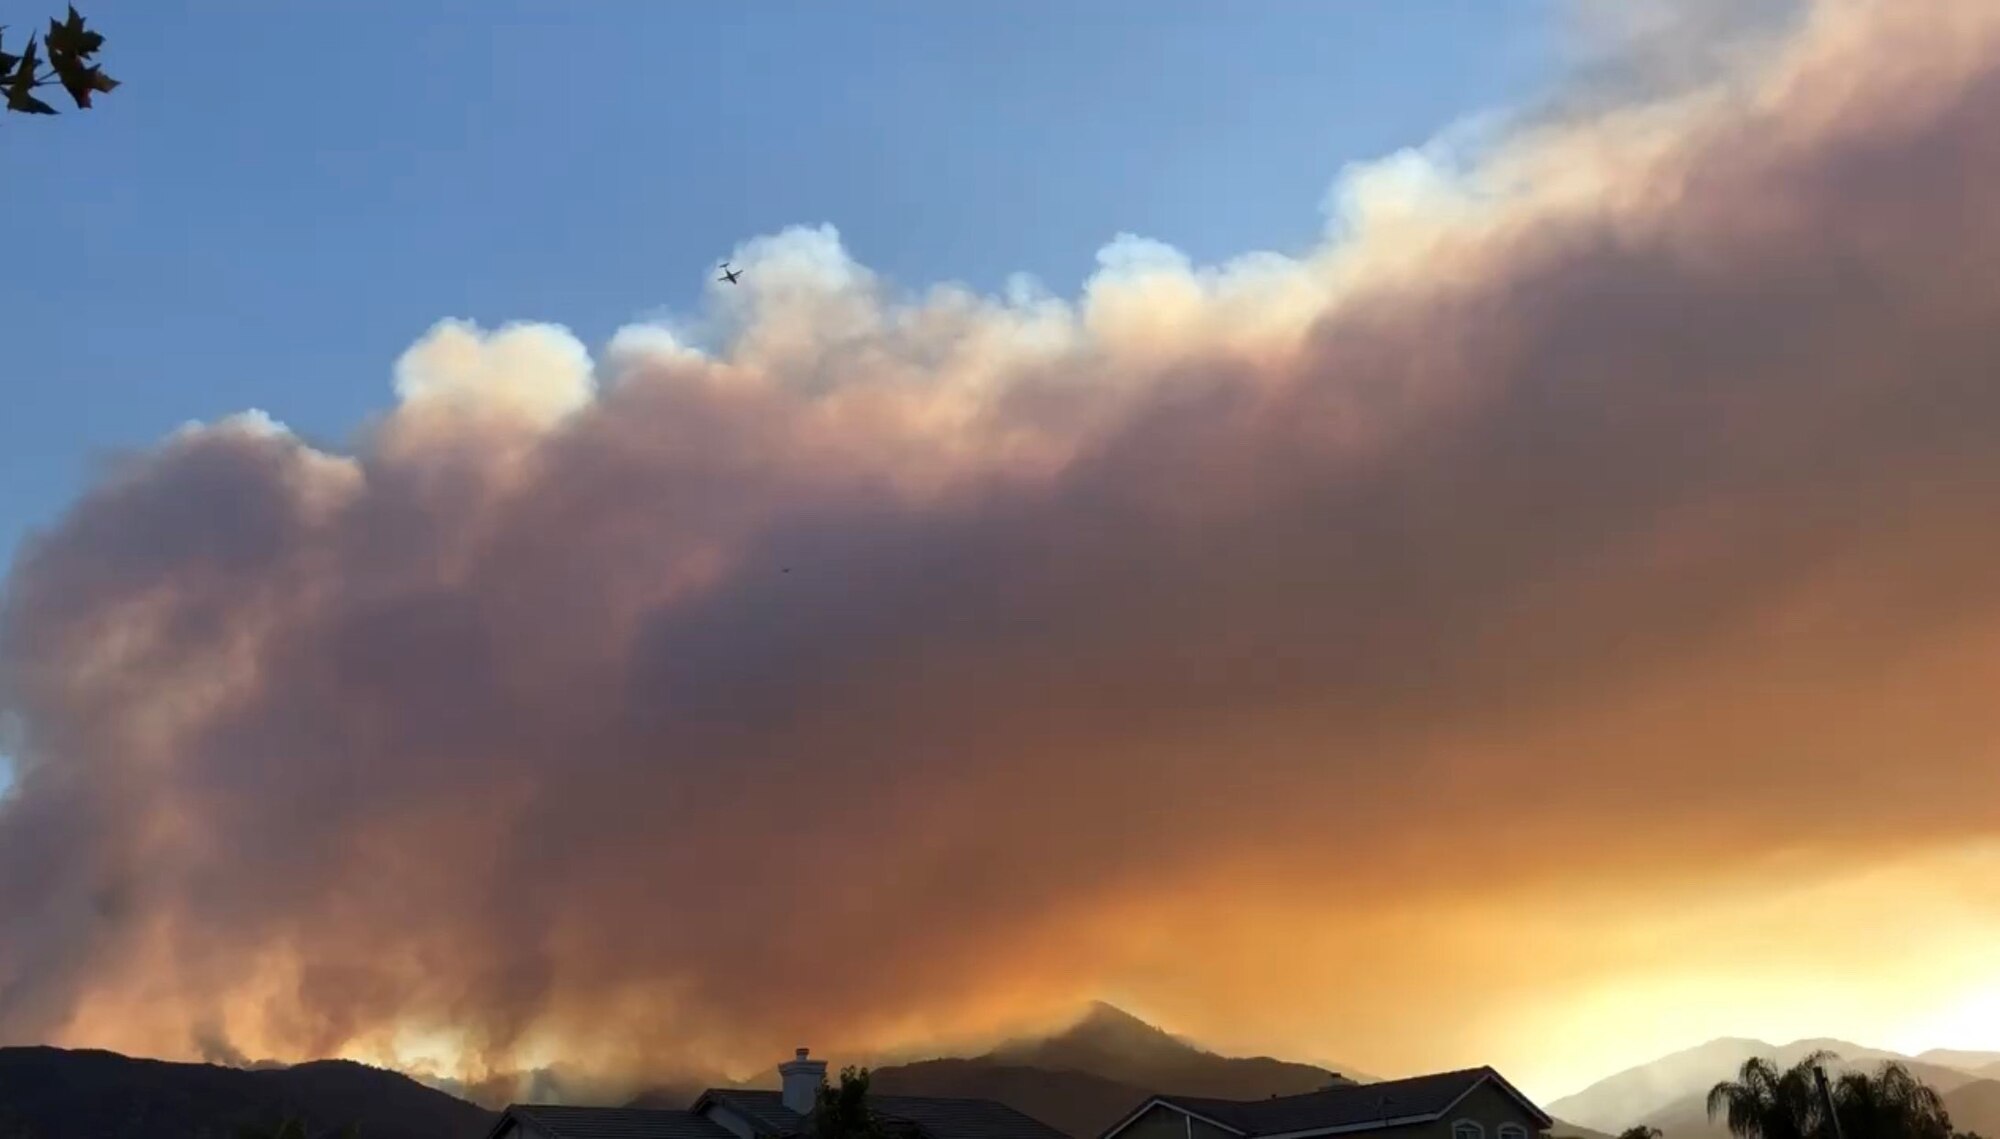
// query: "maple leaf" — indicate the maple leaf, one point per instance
point(71, 45)
point(21, 85)
point(81, 82)
point(71, 39)
point(21, 97)
point(23, 64)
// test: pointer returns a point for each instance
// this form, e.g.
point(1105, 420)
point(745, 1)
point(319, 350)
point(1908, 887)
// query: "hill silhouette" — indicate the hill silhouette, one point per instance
point(1975, 1107)
point(1082, 1079)
point(1087, 1077)
point(54, 1093)
point(1079, 1080)
point(1108, 1041)
point(1974, 1062)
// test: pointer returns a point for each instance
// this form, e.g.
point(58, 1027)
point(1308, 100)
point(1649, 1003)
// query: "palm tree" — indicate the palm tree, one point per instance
point(1766, 1103)
point(1892, 1104)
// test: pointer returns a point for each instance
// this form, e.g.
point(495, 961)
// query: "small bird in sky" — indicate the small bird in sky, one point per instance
point(729, 274)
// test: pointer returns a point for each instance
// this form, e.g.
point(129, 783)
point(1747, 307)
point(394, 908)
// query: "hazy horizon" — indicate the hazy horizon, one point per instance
point(1856, 1051)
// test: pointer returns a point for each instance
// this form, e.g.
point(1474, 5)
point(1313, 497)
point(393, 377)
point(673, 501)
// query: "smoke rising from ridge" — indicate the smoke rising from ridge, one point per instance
point(1405, 652)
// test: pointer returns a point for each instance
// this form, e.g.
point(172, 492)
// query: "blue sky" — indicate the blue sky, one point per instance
point(284, 195)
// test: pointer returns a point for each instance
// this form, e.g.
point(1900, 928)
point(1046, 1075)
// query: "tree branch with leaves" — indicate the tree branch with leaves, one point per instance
point(65, 56)
point(844, 1112)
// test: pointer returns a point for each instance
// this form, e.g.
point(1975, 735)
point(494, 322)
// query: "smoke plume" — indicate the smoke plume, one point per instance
point(1569, 589)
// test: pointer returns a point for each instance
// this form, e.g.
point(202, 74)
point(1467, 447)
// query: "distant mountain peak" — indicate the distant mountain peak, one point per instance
point(1103, 1016)
point(1090, 1073)
point(1105, 1025)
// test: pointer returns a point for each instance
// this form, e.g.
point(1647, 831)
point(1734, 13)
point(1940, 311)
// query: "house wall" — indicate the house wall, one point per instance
point(1485, 1105)
point(1162, 1122)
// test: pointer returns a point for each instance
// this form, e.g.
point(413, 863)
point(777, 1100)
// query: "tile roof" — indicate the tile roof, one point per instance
point(615, 1123)
point(1349, 1105)
point(931, 1118)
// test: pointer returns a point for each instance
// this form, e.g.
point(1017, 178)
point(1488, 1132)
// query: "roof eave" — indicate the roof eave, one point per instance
point(1485, 1075)
point(1163, 1101)
point(719, 1097)
point(519, 1115)
point(1350, 1128)
point(507, 1118)
point(1500, 1081)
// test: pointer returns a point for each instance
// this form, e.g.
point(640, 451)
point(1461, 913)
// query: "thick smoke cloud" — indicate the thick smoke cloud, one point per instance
point(1572, 583)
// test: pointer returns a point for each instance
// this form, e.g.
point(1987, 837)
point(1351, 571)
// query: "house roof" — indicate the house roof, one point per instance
point(1348, 1107)
point(766, 1111)
point(612, 1123)
point(931, 1118)
point(964, 1118)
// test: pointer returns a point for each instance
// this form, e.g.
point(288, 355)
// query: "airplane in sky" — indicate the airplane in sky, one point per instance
point(729, 274)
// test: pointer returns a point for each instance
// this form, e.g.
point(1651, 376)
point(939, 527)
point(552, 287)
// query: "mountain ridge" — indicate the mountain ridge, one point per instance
point(1085, 1077)
point(1079, 1079)
point(55, 1093)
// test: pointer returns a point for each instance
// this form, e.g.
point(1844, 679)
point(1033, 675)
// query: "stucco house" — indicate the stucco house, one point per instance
point(1475, 1103)
point(732, 1113)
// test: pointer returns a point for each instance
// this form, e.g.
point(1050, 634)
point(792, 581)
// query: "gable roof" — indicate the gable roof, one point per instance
point(1348, 1107)
point(557, 1122)
point(928, 1117)
point(765, 1111)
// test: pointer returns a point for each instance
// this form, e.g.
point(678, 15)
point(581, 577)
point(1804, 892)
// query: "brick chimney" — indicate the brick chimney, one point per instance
point(802, 1080)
